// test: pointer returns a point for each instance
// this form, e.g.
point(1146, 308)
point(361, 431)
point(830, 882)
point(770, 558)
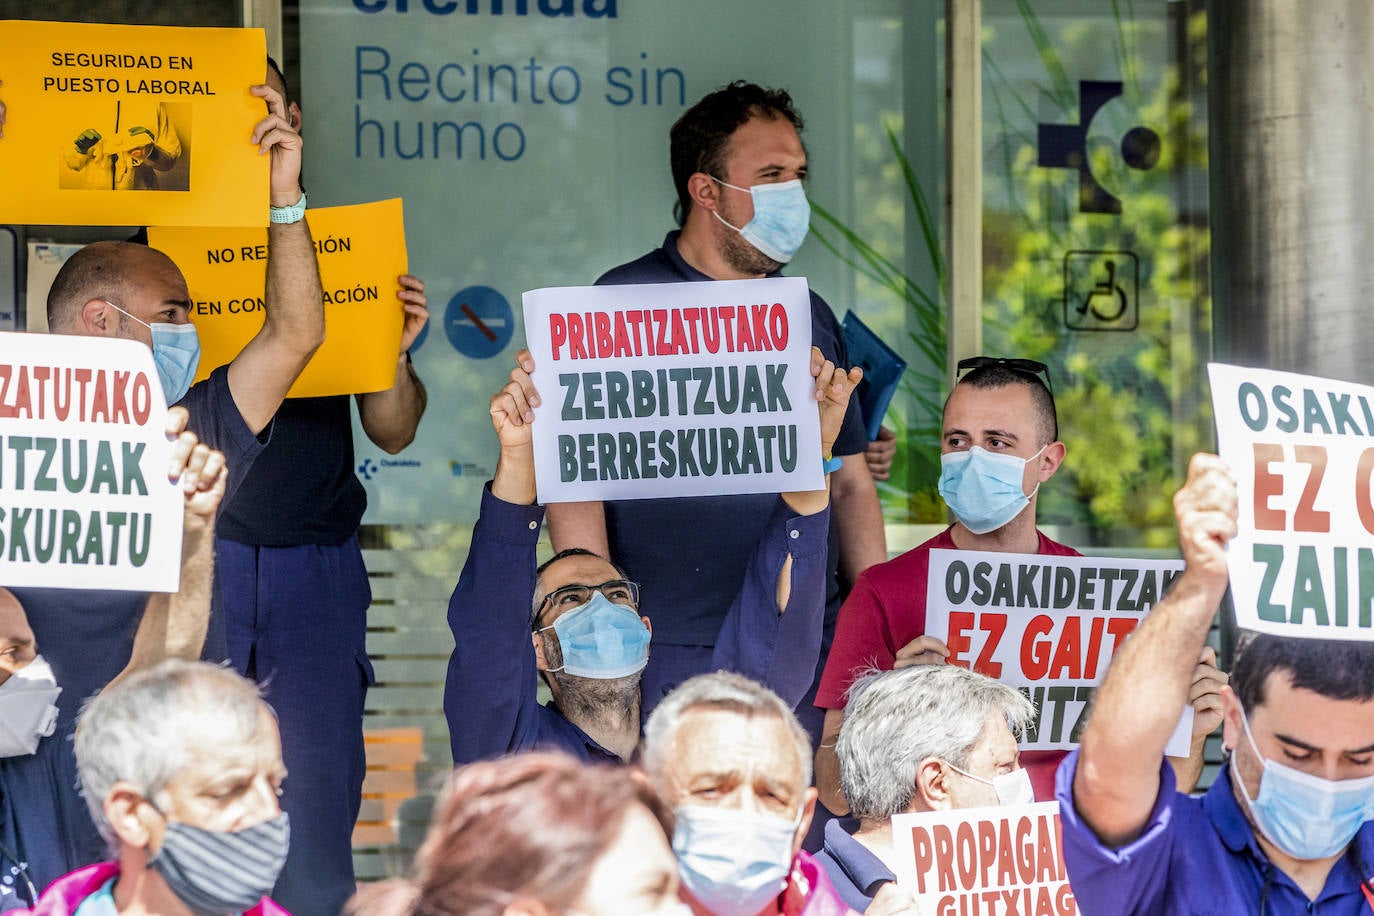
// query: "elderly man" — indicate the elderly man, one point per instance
point(583, 616)
point(738, 164)
point(48, 670)
point(1284, 828)
point(924, 738)
point(181, 768)
point(732, 760)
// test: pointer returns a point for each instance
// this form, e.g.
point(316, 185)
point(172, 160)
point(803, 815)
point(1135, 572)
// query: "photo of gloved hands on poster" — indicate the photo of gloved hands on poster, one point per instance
point(95, 110)
point(142, 146)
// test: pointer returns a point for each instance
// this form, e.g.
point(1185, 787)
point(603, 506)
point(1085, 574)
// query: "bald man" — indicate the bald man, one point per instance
point(57, 648)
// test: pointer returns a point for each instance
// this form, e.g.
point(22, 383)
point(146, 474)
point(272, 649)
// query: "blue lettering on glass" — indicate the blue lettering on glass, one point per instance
point(592, 9)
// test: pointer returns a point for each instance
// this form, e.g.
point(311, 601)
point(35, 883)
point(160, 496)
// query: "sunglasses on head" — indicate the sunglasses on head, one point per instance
point(1026, 367)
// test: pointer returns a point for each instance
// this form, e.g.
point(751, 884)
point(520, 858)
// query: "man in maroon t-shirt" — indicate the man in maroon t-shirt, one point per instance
point(999, 444)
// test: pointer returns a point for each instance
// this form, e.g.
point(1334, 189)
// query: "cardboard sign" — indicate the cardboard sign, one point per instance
point(98, 111)
point(994, 861)
point(361, 251)
point(1047, 626)
point(675, 389)
point(1302, 563)
point(84, 497)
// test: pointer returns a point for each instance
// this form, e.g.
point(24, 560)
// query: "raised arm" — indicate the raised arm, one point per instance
point(579, 525)
point(772, 632)
point(1117, 780)
point(490, 695)
point(293, 326)
point(173, 625)
point(391, 417)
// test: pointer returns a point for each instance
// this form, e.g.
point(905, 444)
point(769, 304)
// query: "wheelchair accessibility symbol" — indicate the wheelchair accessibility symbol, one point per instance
point(1101, 291)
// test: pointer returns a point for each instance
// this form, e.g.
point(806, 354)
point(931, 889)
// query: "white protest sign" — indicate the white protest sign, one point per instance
point(1302, 450)
point(674, 389)
point(1047, 626)
point(984, 861)
point(84, 497)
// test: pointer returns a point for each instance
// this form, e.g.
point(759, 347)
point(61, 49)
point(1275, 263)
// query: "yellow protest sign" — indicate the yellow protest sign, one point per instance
point(361, 251)
point(97, 111)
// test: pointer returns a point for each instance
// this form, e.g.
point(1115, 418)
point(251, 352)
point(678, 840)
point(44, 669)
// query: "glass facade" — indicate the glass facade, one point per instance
point(528, 139)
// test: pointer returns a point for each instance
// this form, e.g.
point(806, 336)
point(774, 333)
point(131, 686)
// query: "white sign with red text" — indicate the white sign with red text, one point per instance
point(675, 389)
point(1302, 450)
point(84, 497)
point(1047, 626)
point(995, 861)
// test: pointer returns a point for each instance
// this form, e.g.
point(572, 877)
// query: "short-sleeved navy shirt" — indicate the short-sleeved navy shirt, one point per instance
point(215, 418)
point(303, 489)
point(689, 553)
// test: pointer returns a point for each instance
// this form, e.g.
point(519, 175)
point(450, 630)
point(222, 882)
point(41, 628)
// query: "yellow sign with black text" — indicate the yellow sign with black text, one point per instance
point(95, 112)
point(361, 251)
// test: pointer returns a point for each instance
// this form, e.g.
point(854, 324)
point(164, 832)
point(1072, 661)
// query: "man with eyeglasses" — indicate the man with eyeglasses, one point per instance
point(577, 619)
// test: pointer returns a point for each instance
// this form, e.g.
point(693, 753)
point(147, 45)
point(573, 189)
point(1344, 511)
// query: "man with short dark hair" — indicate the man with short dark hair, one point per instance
point(1285, 826)
point(738, 165)
point(1000, 436)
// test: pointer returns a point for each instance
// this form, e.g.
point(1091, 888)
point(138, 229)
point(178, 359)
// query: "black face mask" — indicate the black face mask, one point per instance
point(217, 873)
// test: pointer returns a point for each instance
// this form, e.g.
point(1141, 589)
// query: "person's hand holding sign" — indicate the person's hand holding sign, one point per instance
point(833, 387)
point(512, 413)
point(923, 650)
point(1206, 508)
point(274, 134)
point(200, 470)
point(416, 305)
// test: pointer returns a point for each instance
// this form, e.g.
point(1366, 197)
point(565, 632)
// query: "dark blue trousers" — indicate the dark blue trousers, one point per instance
point(295, 620)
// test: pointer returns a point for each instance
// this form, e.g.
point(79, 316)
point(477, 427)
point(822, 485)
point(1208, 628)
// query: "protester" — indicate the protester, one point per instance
point(50, 663)
point(537, 835)
point(734, 763)
point(923, 738)
point(738, 164)
point(293, 594)
point(583, 616)
point(180, 766)
point(999, 445)
point(1284, 828)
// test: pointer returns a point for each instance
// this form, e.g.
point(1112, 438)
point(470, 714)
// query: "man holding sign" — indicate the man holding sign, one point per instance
point(577, 619)
point(56, 651)
point(738, 164)
point(1000, 443)
point(1284, 827)
point(922, 738)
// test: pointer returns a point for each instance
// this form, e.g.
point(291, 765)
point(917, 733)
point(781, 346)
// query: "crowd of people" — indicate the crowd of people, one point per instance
point(744, 694)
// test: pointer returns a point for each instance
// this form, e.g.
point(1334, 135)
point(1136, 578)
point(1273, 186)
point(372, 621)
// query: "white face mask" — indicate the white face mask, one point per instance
point(1012, 788)
point(27, 713)
point(733, 861)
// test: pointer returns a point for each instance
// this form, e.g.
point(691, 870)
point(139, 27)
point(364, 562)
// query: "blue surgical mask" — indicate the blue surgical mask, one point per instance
point(176, 353)
point(782, 217)
point(601, 639)
point(983, 489)
point(733, 861)
point(1306, 816)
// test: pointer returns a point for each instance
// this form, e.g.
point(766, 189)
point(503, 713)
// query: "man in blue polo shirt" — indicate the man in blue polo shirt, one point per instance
point(1284, 827)
point(582, 616)
point(738, 165)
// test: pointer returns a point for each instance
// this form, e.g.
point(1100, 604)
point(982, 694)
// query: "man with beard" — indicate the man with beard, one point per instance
point(738, 167)
point(582, 627)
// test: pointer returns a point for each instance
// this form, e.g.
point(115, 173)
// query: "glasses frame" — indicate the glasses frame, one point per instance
point(609, 583)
